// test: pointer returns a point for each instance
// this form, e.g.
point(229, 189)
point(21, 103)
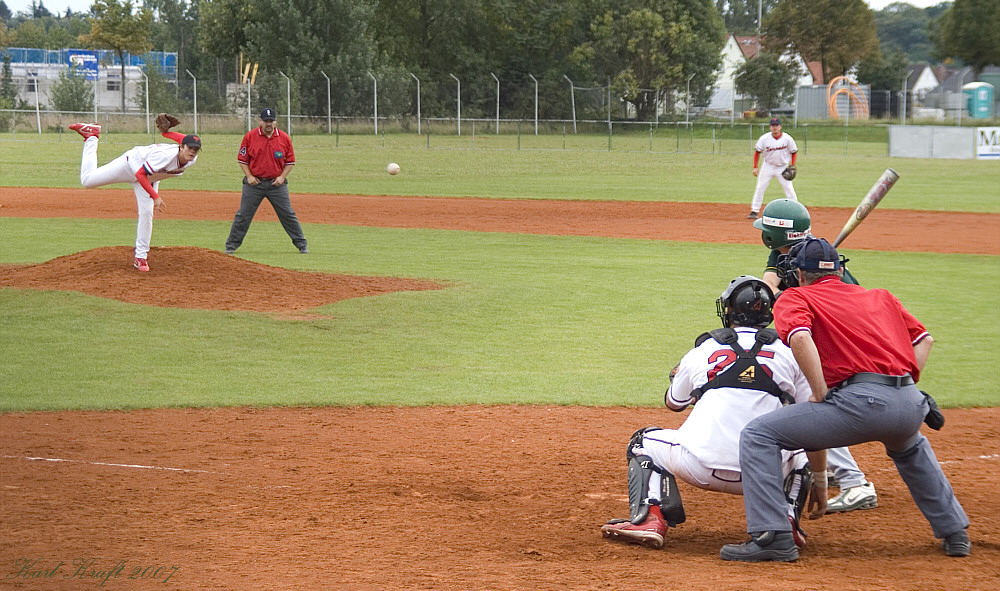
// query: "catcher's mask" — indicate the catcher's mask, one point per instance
point(747, 302)
point(782, 223)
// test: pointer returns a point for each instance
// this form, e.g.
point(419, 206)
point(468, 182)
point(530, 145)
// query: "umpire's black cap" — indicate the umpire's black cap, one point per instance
point(267, 114)
point(814, 254)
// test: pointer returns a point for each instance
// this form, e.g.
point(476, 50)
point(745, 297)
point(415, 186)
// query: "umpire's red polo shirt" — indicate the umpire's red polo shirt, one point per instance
point(266, 156)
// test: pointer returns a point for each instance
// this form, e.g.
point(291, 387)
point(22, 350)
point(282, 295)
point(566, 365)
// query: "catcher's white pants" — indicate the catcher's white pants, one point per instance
point(118, 171)
point(764, 176)
point(667, 450)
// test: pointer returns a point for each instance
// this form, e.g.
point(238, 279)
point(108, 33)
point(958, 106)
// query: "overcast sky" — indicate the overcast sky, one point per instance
point(60, 6)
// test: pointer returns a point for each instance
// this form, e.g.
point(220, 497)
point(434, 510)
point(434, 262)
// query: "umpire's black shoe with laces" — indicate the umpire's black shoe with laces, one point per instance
point(957, 544)
point(778, 546)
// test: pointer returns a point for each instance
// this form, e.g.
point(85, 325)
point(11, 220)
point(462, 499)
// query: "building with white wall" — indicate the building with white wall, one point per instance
point(35, 72)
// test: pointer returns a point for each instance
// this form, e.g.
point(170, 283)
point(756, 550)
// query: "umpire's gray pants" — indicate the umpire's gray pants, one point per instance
point(249, 202)
point(852, 414)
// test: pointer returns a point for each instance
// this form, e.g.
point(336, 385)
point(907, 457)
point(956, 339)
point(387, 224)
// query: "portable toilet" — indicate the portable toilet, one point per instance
point(979, 99)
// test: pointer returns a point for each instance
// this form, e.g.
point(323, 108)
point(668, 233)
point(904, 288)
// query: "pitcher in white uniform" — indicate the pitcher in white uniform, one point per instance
point(731, 376)
point(143, 167)
point(779, 152)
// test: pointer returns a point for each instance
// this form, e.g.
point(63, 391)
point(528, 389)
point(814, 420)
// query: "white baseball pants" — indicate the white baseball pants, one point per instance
point(119, 171)
point(764, 176)
point(666, 448)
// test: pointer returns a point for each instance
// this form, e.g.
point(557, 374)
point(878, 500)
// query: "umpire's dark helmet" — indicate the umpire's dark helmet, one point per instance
point(746, 302)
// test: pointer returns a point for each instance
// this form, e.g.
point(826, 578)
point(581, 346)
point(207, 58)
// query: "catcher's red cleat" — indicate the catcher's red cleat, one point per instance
point(648, 533)
point(798, 536)
point(141, 265)
point(87, 130)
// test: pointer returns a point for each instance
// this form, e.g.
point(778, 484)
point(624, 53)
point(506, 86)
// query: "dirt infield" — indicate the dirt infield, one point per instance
point(456, 498)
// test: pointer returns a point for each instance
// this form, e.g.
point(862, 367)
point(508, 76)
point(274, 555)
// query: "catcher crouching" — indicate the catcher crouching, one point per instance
point(732, 375)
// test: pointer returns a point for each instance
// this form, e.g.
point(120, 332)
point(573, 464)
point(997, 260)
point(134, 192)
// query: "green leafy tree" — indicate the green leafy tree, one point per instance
point(884, 71)
point(836, 33)
point(654, 45)
point(72, 92)
point(162, 94)
point(330, 36)
point(905, 27)
point(768, 79)
point(740, 16)
point(115, 27)
point(970, 31)
point(435, 38)
point(30, 33)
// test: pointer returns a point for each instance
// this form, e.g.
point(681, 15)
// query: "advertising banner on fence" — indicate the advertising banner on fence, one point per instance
point(988, 142)
point(84, 62)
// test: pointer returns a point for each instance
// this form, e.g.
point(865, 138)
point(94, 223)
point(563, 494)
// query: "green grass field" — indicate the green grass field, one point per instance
point(526, 319)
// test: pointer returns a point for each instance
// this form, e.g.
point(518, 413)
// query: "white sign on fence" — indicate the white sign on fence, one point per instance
point(988, 142)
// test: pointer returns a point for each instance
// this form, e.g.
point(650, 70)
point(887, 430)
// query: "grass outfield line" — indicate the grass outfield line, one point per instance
point(491, 166)
point(530, 319)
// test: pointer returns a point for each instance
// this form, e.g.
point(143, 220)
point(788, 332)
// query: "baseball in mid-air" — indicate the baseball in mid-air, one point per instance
point(392, 168)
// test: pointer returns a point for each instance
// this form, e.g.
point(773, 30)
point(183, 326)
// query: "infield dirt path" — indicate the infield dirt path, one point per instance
point(885, 229)
point(441, 498)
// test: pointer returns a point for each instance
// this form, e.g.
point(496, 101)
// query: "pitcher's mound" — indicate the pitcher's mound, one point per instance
point(189, 277)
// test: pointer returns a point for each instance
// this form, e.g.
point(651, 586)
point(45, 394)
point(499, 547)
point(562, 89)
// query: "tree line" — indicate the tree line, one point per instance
point(644, 52)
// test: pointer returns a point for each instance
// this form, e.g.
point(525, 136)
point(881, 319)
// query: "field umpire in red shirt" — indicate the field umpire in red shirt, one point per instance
point(266, 157)
point(862, 353)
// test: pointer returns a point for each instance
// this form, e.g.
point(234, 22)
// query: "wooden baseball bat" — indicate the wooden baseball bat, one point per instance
point(868, 203)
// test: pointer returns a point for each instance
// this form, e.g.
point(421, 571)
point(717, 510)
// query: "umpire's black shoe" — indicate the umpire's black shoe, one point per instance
point(778, 546)
point(957, 544)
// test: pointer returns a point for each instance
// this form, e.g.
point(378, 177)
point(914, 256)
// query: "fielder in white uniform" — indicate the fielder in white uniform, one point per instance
point(779, 152)
point(142, 166)
point(704, 451)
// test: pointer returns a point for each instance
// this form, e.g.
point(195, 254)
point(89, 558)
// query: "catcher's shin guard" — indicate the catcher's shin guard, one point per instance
point(641, 473)
point(797, 485)
point(670, 500)
point(640, 470)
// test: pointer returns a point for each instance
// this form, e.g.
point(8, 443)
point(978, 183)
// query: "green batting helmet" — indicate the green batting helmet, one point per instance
point(782, 223)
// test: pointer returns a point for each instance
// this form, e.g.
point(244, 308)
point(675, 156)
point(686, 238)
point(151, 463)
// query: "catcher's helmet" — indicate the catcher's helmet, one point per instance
point(782, 223)
point(746, 302)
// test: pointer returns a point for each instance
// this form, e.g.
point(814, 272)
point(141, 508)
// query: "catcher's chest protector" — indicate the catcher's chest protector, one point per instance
point(746, 372)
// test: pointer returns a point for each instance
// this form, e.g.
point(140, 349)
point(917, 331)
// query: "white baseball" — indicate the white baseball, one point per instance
point(392, 168)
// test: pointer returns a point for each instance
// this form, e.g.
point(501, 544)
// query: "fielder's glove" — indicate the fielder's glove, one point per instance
point(164, 122)
point(788, 173)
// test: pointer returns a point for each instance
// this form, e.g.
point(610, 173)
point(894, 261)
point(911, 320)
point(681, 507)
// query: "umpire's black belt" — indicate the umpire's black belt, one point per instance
point(877, 378)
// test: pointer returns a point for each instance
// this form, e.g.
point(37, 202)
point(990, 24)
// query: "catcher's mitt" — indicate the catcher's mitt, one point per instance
point(165, 122)
point(788, 173)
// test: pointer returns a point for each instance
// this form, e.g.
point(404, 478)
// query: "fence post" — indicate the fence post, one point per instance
point(459, 102)
point(375, 100)
point(195, 91)
point(288, 102)
point(498, 101)
point(572, 100)
point(418, 101)
point(123, 85)
point(329, 124)
point(536, 102)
